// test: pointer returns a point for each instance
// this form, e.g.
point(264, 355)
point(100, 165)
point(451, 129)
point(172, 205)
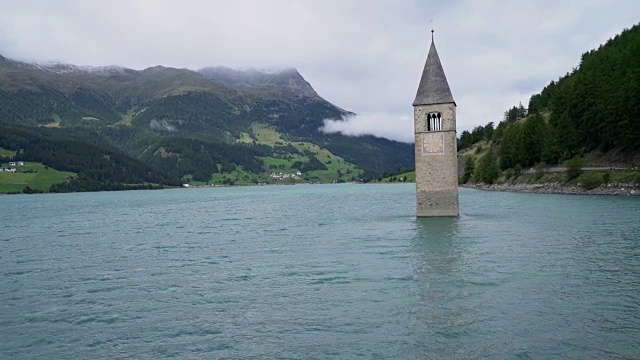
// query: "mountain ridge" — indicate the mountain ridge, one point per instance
point(250, 77)
point(171, 118)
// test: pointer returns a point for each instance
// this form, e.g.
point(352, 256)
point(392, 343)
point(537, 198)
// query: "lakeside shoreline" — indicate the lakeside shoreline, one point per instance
point(616, 189)
point(192, 187)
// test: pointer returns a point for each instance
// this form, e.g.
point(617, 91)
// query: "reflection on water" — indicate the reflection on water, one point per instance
point(437, 227)
point(436, 245)
point(441, 307)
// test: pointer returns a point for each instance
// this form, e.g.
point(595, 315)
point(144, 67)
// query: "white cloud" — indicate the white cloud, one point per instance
point(393, 127)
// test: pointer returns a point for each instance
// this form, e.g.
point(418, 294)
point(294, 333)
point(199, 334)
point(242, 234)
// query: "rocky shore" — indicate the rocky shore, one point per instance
point(559, 188)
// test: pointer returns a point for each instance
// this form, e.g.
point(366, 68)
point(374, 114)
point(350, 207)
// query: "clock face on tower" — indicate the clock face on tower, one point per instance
point(432, 143)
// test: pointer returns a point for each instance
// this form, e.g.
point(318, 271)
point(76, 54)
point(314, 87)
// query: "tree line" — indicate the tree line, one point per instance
point(596, 106)
point(100, 167)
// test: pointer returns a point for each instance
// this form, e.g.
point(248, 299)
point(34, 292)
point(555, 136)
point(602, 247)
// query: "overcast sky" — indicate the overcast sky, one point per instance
point(365, 56)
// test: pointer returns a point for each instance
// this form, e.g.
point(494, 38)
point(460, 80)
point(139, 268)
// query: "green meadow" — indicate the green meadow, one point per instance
point(34, 175)
point(5, 152)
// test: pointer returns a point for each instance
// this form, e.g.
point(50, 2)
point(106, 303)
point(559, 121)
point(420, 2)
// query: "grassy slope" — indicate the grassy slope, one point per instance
point(41, 179)
point(264, 134)
point(334, 165)
point(238, 177)
point(411, 177)
point(5, 152)
point(475, 151)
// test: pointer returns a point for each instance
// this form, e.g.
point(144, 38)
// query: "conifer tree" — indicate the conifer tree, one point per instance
point(487, 170)
point(469, 167)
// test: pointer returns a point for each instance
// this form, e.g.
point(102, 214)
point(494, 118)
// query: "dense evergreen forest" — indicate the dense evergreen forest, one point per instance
point(93, 163)
point(595, 107)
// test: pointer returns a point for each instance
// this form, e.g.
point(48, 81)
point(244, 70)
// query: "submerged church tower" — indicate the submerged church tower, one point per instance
point(434, 117)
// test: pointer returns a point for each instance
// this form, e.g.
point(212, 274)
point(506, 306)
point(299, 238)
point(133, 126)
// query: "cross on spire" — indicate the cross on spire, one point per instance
point(432, 31)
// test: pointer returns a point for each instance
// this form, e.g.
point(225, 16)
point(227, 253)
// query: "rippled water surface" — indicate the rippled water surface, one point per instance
point(317, 272)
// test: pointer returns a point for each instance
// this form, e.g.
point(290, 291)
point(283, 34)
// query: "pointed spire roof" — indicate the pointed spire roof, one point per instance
point(433, 88)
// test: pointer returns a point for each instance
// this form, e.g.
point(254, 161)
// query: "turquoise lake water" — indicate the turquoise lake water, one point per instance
point(318, 272)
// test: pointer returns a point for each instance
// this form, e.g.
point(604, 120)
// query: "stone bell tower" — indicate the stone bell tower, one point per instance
point(436, 149)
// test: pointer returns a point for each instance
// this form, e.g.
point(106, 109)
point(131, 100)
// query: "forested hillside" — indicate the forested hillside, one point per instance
point(598, 104)
point(166, 126)
point(595, 108)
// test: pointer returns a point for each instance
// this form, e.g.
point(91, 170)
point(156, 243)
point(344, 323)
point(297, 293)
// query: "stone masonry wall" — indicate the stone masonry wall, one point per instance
point(436, 171)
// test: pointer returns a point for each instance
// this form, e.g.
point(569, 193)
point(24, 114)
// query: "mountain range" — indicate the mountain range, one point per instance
point(165, 125)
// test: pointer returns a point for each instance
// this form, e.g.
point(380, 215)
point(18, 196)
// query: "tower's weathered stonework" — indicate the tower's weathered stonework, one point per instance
point(436, 151)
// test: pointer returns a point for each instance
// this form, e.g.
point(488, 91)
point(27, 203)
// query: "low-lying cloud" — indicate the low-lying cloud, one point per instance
point(392, 127)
